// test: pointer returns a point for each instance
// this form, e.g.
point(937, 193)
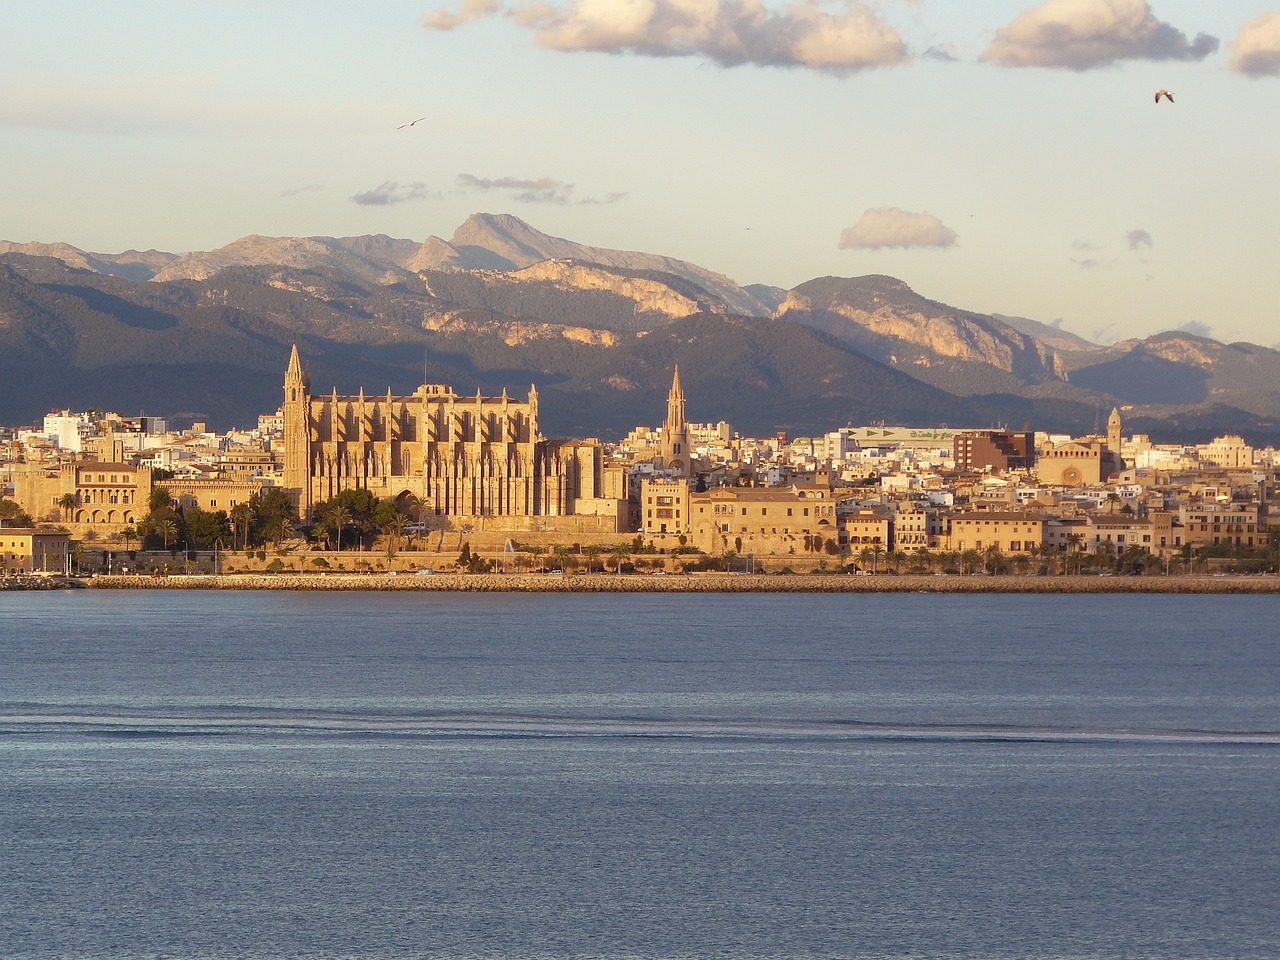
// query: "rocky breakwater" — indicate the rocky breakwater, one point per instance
point(708, 583)
point(38, 582)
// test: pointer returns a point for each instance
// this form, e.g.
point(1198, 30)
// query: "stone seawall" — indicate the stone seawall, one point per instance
point(698, 583)
point(38, 582)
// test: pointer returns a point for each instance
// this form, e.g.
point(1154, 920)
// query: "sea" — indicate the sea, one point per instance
point(192, 774)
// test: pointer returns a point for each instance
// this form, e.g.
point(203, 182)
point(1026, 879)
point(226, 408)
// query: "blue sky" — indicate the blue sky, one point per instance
point(1002, 156)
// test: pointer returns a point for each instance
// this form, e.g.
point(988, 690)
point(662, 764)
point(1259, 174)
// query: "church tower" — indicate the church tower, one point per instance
point(297, 432)
point(675, 432)
point(1113, 431)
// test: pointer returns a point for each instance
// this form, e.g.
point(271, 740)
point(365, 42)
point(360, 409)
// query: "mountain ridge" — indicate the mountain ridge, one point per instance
point(532, 306)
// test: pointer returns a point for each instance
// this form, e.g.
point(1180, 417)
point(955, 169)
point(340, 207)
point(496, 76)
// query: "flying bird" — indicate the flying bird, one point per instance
point(1167, 94)
point(412, 122)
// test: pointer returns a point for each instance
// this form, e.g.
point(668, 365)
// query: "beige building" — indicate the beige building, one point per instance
point(460, 457)
point(1010, 532)
point(762, 520)
point(918, 526)
point(866, 527)
point(24, 551)
point(84, 492)
point(211, 493)
point(1229, 453)
point(664, 505)
point(1214, 524)
point(1076, 463)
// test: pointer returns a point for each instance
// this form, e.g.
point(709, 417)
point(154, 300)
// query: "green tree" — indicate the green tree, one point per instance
point(241, 517)
point(336, 517)
point(271, 507)
point(167, 530)
point(205, 527)
point(13, 515)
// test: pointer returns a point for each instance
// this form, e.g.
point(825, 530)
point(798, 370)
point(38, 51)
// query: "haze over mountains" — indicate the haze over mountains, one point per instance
point(500, 304)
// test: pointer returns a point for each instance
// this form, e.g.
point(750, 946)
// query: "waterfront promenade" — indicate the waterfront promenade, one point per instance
point(694, 583)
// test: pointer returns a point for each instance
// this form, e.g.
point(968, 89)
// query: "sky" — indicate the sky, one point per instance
point(1001, 156)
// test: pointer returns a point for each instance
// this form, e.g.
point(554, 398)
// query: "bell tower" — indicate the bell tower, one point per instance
point(297, 433)
point(675, 431)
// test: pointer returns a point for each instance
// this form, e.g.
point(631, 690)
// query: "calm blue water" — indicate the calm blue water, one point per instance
point(435, 775)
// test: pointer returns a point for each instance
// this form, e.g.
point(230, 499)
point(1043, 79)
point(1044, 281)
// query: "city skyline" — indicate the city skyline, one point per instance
point(958, 150)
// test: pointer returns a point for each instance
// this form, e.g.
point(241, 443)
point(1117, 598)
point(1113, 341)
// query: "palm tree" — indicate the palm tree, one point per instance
point(1075, 545)
point(167, 530)
point(242, 519)
point(618, 557)
point(393, 529)
point(283, 530)
point(337, 518)
point(130, 534)
point(993, 557)
point(68, 504)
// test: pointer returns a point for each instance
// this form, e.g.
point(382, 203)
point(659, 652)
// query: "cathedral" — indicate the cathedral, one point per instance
point(454, 456)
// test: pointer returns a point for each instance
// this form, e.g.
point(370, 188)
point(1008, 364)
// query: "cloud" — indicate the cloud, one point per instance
point(1197, 329)
point(442, 19)
point(306, 188)
point(1256, 49)
point(1089, 263)
point(541, 190)
point(891, 227)
point(1084, 246)
point(390, 193)
point(1138, 239)
point(1083, 34)
point(805, 33)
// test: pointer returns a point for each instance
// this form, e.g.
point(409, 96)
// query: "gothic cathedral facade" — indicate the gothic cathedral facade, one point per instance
point(456, 456)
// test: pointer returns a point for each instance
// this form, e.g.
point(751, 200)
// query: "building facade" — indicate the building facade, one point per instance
point(26, 551)
point(461, 457)
point(999, 450)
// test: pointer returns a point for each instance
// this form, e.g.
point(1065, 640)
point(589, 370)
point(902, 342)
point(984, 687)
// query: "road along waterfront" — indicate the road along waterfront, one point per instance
point(696, 583)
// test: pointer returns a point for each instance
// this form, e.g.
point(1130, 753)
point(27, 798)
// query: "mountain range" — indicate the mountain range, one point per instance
point(205, 335)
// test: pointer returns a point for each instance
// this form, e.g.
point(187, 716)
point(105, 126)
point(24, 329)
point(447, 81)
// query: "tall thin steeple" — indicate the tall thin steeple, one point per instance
point(296, 381)
point(675, 431)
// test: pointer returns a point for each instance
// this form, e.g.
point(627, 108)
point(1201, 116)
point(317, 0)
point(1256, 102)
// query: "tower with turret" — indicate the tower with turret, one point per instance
point(675, 453)
point(1113, 433)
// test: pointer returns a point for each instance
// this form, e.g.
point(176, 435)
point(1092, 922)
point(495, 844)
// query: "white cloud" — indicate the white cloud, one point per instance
point(1138, 239)
point(541, 190)
point(391, 192)
point(1256, 49)
point(1197, 329)
point(892, 227)
point(836, 37)
point(442, 19)
point(1082, 34)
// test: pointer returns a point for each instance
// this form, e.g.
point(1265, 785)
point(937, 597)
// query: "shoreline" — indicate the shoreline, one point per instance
point(694, 583)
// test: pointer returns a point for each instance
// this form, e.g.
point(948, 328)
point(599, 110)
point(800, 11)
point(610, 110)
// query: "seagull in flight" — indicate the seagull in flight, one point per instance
point(1167, 94)
point(412, 122)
